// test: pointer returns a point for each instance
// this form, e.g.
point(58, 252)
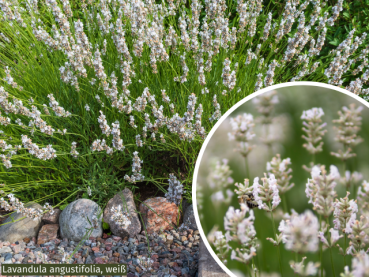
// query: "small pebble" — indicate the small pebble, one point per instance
point(172, 253)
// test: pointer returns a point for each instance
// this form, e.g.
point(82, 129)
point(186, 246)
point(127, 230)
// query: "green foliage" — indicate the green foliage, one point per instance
point(105, 225)
point(36, 68)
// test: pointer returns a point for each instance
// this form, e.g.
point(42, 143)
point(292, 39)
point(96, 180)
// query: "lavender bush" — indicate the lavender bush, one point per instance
point(97, 95)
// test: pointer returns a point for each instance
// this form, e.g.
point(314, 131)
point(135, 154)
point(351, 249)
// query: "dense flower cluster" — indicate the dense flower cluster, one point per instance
point(320, 189)
point(300, 232)
point(267, 194)
point(175, 190)
point(242, 132)
point(241, 229)
point(136, 170)
point(220, 243)
point(345, 211)
point(314, 129)
point(15, 205)
point(121, 217)
point(280, 169)
point(265, 105)
point(348, 126)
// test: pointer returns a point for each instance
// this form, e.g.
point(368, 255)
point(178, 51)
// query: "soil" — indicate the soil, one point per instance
point(3, 215)
point(146, 191)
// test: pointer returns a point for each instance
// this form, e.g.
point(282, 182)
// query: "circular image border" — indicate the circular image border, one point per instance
point(220, 121)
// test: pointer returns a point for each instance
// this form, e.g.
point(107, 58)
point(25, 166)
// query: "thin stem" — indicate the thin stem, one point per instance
point(321, 248)
point(269, 144)
point(285, 208)
point(334, 273)
point(247, 168)
point(248, 269)
point(253, 263)
point(275, 236)
point(344, 250)
point(330, 250)
point(347, 184)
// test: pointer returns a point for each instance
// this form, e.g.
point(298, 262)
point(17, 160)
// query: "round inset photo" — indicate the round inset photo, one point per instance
point(280, 184)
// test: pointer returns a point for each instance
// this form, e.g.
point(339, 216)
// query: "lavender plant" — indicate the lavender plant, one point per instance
point(108, 82)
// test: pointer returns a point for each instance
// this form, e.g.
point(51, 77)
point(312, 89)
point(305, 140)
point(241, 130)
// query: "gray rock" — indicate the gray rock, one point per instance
point(189, 218)
point(185, 204)
point(126, 204)
point(18, 257)
point(21, 228)
point(89, 260)
point(207, 265)
point(73, 220)
point(8, 256)
point(85, 252)
point(53, 218)
point(5, 249)
point(8, 261)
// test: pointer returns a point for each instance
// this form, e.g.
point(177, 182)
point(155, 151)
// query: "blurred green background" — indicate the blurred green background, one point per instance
point(287, 127)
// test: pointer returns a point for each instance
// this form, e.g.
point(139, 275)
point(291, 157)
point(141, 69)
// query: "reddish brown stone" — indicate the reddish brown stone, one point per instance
point(116, 254)
point(26, 240)
point(47, 233)
point(165, 261)
point(156, 265)
point(51, 218)
point(99, 261)
point(159, 214)
point(116, 238)
point(95, 249)
point(173, 264)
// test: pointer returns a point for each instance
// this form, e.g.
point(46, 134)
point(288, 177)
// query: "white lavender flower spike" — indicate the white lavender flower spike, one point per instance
point(267, 194)
point(320, 189)
point(300, 232)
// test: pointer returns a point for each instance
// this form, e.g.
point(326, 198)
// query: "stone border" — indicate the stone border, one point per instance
point(208, 267)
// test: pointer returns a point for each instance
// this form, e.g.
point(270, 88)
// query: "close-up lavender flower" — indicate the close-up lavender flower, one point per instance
point(348, 126)
point(242, 133)
point(300, 232)
point(307, 212)
point(314, 129)
point(282, 173)
point(266, 195)
point(320, 189)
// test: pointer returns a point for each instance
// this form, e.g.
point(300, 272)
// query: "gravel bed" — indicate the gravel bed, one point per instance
point(172, 253)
